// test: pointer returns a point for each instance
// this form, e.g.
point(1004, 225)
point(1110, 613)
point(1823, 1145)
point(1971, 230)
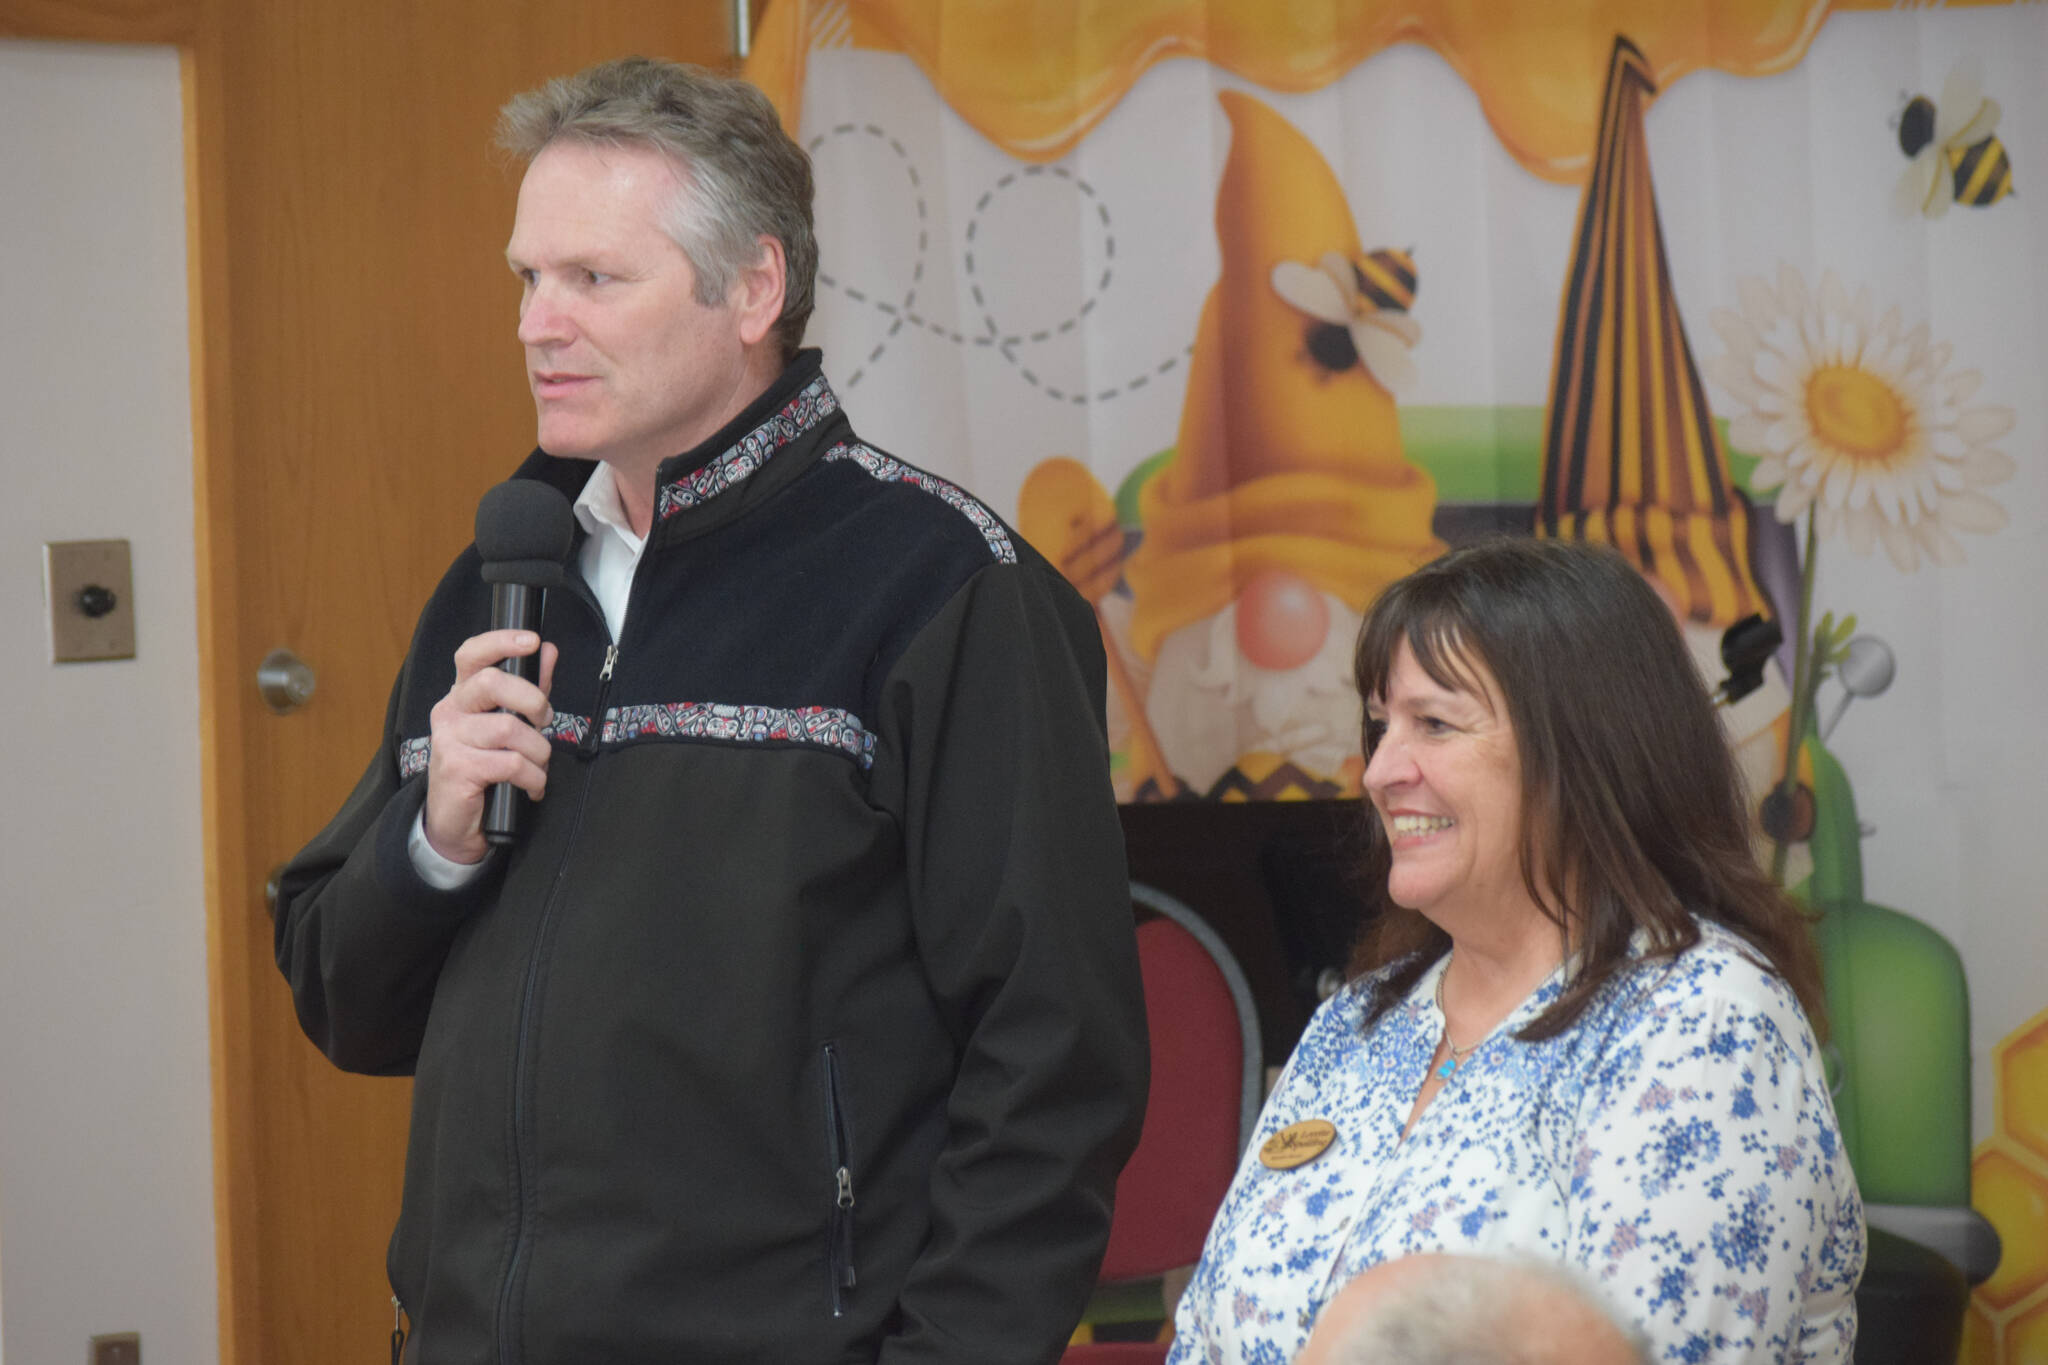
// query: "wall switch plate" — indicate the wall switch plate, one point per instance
point(90, 594)
point(119, 1348)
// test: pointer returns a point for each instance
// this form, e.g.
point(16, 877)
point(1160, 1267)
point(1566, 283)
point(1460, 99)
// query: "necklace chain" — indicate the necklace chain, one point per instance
point(1458, 1054)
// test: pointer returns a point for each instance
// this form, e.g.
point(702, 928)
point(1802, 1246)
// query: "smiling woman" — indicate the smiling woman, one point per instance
point(1581, 1029)
point(1630, 817)
point(1445, 781)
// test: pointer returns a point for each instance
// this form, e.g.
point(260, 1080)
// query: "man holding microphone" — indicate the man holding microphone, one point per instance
point(799, 1020)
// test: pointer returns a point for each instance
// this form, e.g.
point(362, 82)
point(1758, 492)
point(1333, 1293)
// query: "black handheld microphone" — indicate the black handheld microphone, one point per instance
point(524, 529)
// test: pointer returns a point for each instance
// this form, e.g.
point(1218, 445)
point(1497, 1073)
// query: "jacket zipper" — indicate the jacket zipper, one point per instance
point(592, 737)
point(839, 1253)
point(521, 1156)
point(397, 1331)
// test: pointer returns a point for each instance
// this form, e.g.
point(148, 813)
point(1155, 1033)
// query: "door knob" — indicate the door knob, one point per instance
point(285, 680)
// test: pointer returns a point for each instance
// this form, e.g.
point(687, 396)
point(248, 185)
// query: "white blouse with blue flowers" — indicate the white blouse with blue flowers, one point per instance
point(1676, 1144)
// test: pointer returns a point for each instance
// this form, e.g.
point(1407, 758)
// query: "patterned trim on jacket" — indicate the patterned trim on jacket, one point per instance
point(811, 406)
point(414, 754)
point(826, 727)
point(890, 470)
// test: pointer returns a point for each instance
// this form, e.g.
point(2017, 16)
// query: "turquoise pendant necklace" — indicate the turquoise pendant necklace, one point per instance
point(1458, 1054)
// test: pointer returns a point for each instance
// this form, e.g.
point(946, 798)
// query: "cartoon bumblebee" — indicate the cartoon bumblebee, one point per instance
point(1956, 154)
point(1360, 308)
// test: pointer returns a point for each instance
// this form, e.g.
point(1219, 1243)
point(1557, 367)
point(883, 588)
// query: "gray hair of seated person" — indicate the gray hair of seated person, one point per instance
point(1476, 1312)
point(742, 177)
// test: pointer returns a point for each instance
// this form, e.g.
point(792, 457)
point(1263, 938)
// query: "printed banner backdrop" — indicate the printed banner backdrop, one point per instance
point(1238, 311)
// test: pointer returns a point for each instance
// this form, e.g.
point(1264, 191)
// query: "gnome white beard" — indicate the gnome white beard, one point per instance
point(1209, 705)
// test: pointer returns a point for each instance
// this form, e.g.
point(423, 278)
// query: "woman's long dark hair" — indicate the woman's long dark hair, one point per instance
point(1633, 811)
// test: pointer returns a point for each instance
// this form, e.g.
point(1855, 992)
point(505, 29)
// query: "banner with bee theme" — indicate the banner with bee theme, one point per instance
point(1239, 310)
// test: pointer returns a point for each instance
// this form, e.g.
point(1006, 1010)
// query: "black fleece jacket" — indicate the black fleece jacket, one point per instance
point(803, 1022)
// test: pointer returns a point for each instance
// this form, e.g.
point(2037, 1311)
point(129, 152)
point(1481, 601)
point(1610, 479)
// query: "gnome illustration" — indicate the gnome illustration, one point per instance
point(1288, 503)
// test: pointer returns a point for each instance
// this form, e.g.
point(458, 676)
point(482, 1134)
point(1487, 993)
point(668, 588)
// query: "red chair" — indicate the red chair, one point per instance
point(1203, 1104)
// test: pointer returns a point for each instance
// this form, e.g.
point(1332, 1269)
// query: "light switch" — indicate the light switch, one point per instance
point(90, 591)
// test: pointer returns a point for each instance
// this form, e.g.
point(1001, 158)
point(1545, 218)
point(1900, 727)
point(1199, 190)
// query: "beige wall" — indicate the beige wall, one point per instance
point(106, 1174)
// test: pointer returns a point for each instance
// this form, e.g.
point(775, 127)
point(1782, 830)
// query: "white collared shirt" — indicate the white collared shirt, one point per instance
point(610, 554)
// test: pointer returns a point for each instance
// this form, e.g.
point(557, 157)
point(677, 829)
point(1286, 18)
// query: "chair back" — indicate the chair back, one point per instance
point(1204, 1097)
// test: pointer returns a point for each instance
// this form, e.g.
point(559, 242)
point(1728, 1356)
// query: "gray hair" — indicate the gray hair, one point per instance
point(742, 176)
point(1473, 1311)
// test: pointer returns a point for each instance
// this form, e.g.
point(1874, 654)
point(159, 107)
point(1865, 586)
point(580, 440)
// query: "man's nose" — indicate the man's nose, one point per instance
point(541, 320)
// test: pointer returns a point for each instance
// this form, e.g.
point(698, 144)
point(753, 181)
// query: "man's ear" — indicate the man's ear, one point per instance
point(759, 289)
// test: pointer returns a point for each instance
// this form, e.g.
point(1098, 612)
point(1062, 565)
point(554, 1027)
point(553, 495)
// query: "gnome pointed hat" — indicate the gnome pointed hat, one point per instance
point(1281, 462)
point(1632, 456)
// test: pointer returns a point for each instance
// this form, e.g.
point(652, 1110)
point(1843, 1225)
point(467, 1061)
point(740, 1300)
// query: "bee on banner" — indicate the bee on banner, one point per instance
point(1360, 311)
point(1955, 151)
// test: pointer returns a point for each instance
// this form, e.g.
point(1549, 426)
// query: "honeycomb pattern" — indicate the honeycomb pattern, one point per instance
point(2026, 1336)
point(2015, 1199)
point(2008, 1321)
point(2021, 1069)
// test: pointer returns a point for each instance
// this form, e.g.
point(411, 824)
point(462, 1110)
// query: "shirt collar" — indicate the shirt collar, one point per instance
point(598, 508)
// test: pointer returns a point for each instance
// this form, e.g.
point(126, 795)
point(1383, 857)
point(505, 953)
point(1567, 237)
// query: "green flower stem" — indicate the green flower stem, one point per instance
point(1803, 688)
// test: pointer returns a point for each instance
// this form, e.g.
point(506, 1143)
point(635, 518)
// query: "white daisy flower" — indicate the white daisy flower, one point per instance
point(1860, 420)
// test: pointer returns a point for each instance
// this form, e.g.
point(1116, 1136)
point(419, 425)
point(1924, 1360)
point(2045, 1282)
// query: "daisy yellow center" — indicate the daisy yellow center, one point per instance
point(1856, 412)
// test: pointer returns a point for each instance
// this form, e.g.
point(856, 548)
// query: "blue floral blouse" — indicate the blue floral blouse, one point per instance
point(1676, 1145)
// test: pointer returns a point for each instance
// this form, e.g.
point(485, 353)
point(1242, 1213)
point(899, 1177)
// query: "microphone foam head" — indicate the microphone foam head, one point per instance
point(524, 529)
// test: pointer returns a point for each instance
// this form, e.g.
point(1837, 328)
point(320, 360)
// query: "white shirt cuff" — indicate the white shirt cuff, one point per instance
point(441, 873)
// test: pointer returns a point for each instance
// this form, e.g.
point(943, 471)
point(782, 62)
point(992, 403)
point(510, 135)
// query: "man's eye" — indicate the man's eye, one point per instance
point(594, 277)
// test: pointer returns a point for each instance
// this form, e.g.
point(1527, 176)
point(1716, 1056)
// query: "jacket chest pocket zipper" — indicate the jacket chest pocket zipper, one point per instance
point(839, 1251)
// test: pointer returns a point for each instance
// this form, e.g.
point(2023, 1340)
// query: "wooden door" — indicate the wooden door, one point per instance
point(357, 387)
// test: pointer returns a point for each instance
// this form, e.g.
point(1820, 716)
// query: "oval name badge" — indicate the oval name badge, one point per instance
point(1297, 1144)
